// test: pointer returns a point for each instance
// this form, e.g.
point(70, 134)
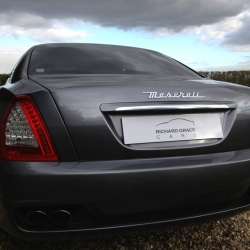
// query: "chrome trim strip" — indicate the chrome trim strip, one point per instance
point(170, 107)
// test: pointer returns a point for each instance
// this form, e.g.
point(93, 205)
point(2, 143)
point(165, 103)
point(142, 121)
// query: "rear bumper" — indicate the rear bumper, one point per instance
point(106, 195)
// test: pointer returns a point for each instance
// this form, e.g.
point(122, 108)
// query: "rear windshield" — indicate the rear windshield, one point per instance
point(102, 59)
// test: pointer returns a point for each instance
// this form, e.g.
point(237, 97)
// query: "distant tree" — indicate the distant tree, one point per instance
point(240, 77)
point(3, 78)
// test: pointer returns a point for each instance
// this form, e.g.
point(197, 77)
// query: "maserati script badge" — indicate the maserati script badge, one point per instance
point(155, 95)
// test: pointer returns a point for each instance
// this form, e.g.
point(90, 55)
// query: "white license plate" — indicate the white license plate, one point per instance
point(160, 128)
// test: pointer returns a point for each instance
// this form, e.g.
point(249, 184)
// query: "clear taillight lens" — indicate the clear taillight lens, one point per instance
point(18, 131)
point(26, 137)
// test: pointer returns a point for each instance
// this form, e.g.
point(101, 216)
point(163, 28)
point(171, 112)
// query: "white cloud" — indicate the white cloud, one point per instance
point(218, 30)
point(26, 20)
point(239, 48)
point(232, 33)
point(9, 56)
point(146, 14)
point(163, 32)
point(50, 22)
point(205, 32)
point(245, 65)
point(239, 39)
point(56, 33)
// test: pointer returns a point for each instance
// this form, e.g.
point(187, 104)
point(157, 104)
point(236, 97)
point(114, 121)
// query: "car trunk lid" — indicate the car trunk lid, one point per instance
point(94, 109)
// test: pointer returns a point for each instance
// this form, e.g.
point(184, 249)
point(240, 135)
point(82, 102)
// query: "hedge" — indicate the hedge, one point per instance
point(240, 77)
point(3, 78)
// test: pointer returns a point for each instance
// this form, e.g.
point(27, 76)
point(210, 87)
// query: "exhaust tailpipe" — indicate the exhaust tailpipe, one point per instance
point(36, 217)
point(60, 217)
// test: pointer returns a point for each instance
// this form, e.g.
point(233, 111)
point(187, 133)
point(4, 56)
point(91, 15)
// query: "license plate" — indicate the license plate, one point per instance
point(146, 129)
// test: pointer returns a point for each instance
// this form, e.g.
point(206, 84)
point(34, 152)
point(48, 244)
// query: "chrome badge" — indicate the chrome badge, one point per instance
point(155, 95)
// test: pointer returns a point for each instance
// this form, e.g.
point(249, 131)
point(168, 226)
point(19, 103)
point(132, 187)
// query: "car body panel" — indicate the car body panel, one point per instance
point(106, 185)
point(92, 93)
point(53, 119)
point(127, 193)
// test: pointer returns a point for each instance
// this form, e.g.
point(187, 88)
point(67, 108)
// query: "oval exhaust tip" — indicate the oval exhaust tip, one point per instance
point(36, 217)
point(61, 217)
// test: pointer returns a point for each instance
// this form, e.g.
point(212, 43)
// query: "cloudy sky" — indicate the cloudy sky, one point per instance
point(205, 35)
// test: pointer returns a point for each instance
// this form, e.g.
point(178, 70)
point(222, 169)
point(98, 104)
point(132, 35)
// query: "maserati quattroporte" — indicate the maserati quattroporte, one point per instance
point(102, 138)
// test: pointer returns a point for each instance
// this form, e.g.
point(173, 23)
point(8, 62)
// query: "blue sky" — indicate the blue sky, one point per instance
point(211, 36)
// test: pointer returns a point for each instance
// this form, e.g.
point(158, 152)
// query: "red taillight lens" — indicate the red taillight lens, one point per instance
point(24, 136)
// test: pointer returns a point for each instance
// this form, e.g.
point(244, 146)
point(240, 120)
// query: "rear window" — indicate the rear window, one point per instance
point(102, 59)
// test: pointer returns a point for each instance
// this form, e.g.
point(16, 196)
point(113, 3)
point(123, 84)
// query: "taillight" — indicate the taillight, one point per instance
point(24, 136)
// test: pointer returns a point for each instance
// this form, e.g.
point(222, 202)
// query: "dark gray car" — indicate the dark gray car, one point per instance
point(96, 138)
